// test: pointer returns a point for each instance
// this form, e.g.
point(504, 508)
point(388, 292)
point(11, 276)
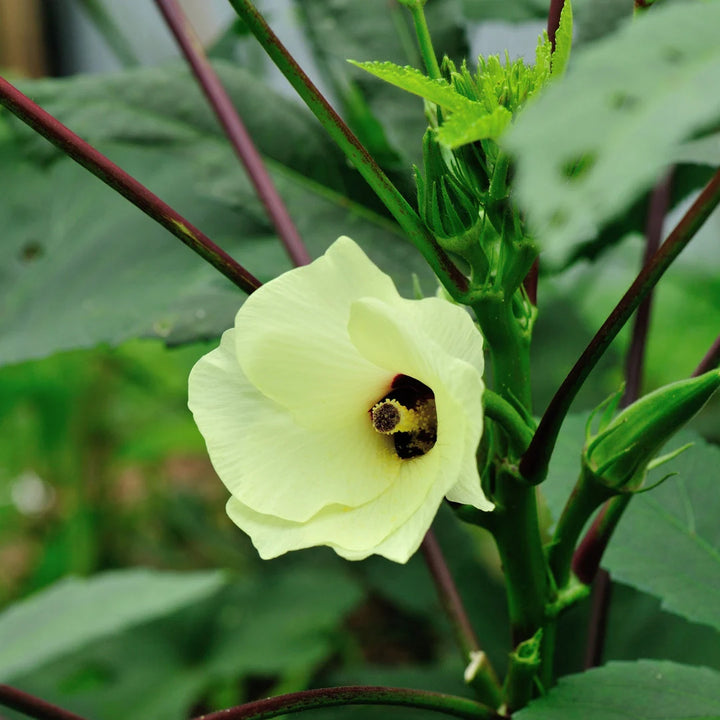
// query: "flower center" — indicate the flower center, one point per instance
point(407, 413)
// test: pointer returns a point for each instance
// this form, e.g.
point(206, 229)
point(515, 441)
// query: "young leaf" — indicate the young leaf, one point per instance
point(413, 81)
point(75, 612)
point(648, 689)
point(468, 125)
point(603, 134)
point(668, 542)
point(87, 245)
point(563, 41)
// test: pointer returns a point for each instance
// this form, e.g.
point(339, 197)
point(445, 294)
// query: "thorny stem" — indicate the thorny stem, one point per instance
point(453, 280)
point(535, 461)
point(234, 128)
point(32, 706)
point(103, 168)
point(354, 695)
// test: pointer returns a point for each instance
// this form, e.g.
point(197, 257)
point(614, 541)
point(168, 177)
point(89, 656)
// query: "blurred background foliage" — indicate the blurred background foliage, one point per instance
point(101, 467)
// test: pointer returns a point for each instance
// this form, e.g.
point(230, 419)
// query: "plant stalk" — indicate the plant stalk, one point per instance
point(452, 279)
point(417, 10)
point(33, 706)
point(356, 695)
point(484, 680)
point(534, 463)
point(191, 47)
point(114, 176)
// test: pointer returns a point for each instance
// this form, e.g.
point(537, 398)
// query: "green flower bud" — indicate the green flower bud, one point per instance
point(450, 204)
point(446, 205)
point(619, 454)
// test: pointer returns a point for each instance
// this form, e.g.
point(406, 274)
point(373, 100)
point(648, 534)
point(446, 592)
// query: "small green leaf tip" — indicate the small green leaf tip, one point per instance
point(620, 452)
point(563, 41)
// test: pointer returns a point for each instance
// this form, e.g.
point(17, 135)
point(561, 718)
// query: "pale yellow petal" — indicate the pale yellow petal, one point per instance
point(403, 336)
point(292, 340)
point(271, 463)
point(405, 509)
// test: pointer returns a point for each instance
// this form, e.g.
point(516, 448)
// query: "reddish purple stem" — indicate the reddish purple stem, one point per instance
point(711, 359)
point(235, 130)
point(103, 168)
point(32, 706)
point(659, 202)
point(448, 593)
point(553, 22)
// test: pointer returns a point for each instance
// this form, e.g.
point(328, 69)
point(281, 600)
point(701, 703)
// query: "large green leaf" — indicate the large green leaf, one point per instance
point(668, 542)
point(75, 612)
point(603, 134)
point(81, 266)
point(646, 689)
point(280, 623)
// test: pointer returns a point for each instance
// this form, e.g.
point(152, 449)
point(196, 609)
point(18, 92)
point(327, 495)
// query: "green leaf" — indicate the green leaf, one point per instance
point(596, 20)
point(111, 272)
point(281, 621)
point(473, 123)
point(75, 612)
point(652, 690)
point(594, 141)
point(413, 81)
point(668, 542)
point(563, 41)
point(637, 627)
point(377, 30)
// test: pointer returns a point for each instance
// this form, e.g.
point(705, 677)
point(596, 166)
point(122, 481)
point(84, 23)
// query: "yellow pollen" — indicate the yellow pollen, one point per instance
point(408, 416)
point(389, 416)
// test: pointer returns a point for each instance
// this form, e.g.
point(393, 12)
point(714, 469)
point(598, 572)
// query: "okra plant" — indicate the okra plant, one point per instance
point(386, 375)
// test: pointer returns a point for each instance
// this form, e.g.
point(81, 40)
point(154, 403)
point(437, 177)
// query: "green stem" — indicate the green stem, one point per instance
point(371, 695)
point(500, 410)
point(452, 279)
point(523, 667)
point(535, 461)
point(100, 166)
point(517, 535)
point(587, 495)
point(422, 31)
point(508, 345)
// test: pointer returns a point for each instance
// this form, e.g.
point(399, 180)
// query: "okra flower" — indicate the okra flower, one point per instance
point(338, 413)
